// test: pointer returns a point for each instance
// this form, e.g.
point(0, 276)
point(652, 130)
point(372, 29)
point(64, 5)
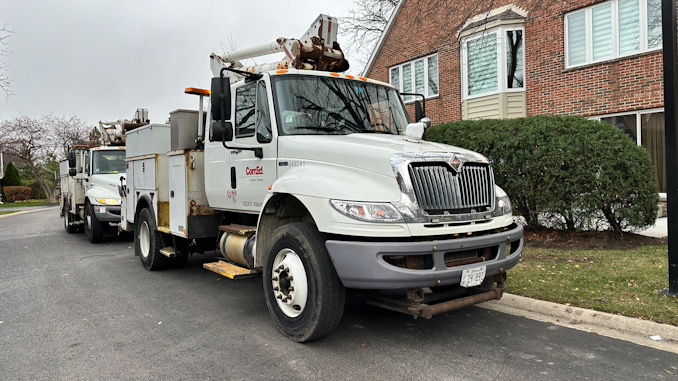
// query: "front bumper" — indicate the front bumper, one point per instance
point(107, 213)
point(362, 264)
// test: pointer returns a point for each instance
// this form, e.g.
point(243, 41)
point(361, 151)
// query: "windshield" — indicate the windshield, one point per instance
point(309, 105)
point(108, 162)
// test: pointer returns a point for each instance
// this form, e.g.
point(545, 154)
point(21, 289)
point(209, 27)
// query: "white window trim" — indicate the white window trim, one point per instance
point(615, 34)
point(412, 71)
point(501, 63)
point(638, 115)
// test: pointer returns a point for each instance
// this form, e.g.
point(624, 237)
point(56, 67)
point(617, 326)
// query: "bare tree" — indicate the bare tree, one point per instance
point(39, 143)
point(5, 83)
point(365, 26)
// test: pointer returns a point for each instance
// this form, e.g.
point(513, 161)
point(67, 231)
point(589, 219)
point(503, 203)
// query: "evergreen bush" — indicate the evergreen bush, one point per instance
point(564, 172)
point(12, 178)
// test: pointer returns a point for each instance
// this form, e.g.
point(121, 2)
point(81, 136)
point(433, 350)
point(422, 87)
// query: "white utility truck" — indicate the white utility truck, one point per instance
point(319, 181)
point(90, 178)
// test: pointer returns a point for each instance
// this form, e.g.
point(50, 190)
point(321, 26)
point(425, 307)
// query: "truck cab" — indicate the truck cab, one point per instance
point(89, 183)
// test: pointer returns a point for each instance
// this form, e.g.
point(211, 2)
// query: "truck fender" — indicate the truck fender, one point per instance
point(278, 209)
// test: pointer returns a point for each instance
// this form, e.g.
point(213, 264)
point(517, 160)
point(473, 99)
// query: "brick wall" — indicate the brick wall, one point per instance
point(423, 27)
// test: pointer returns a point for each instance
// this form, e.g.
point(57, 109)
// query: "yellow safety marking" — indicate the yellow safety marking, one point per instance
point(227, 269)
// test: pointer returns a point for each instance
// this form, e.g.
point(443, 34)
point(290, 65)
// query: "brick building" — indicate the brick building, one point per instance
point(501, 59)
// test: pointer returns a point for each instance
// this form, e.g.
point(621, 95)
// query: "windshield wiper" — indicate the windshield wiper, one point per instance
point(374, 132)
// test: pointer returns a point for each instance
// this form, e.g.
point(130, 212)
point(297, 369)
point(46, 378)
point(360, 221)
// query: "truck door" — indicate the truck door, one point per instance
point(253, 128)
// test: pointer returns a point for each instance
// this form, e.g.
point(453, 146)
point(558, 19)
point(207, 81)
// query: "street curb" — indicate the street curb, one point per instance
point(615, 326)
point(27, 211)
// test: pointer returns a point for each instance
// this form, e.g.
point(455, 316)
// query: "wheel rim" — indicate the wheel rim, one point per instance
point(290, 285)
point(144, 239)
point(88, 225)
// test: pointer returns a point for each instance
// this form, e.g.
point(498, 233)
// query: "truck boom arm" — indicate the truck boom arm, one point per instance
point(317, 49)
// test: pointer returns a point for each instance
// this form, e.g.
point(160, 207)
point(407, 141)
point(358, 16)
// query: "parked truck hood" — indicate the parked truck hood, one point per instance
point(368, 152)
point(105, 185)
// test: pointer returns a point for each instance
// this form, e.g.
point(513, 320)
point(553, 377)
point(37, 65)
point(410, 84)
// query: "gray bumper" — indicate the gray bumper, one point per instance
point(110, 214)
point(361, 264)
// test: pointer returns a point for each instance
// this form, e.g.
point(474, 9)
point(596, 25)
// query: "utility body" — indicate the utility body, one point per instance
point(90, 178)
point(319, 181)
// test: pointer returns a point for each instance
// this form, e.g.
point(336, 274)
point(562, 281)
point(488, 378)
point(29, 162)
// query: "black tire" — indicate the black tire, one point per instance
point(94, 230)
point(148, 242)
point(68, 219)
point(300, 249)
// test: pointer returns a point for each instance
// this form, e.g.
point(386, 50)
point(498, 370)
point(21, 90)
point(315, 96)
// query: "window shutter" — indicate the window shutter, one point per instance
point(433, 75)
point(395, 77)
point(482, 64)
point(601, 31)
point(419, 80)
point(407, 80)
point(576, 38)
point(629, 26)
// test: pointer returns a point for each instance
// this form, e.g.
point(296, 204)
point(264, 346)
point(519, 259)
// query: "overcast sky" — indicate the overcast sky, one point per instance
point(102, 59)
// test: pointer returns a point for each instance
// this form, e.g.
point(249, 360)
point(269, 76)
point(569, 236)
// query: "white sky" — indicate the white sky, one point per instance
point(102, 59)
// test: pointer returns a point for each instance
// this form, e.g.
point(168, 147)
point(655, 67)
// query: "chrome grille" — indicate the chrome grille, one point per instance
point(439, 188)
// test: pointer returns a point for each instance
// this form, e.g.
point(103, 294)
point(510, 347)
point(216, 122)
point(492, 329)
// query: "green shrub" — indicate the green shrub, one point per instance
point(14, 194)
point(563, 172)
point(36, 191)
point(12, 178)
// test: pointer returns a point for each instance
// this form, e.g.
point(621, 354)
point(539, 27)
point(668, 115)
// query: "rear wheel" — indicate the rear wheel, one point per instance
point(303, 292)
point(148, 242)
point(94, 230)
point(68, 220)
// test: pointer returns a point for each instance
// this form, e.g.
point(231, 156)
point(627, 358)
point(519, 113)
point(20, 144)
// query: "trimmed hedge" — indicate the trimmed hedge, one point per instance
point(13, 194)
point(564, 172)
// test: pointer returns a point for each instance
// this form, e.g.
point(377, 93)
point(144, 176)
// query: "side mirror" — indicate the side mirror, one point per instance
point(221, 132)
point(418, 111)
point(415, 130)
point(72, 171)
point(220, 98)
point(71, 159)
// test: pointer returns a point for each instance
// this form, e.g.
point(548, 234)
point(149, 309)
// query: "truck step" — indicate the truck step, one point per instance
point(229, 270)
point(238, 229)
point(168, 252)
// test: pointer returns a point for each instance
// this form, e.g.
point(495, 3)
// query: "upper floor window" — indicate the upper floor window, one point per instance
point(493, 62)
point(417, 76)
point(612, 29)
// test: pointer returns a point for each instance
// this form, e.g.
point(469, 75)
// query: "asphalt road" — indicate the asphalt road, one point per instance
point(73, 310)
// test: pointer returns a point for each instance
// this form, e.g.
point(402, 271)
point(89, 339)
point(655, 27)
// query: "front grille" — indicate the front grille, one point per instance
point(441, 189)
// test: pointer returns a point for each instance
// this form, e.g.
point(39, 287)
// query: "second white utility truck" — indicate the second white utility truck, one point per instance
point(90, 178)
point(319, 181)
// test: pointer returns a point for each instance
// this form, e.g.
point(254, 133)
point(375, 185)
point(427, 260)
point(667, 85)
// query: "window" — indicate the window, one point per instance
point(251, 112)
point(245, 101)
point(419, 76)
point(263, 119)
point(493, 62)
point(646, 128)
point(612, 29)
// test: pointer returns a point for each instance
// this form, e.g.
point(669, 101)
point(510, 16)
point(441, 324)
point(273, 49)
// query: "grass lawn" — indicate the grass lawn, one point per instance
point(5, 212)
point(27, 203)
point(623, 282)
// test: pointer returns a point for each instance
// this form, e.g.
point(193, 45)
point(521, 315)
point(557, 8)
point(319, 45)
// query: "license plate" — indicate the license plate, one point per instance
point(473, 277)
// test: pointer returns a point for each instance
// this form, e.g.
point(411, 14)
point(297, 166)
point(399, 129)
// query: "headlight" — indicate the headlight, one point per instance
point(504, 205)
point(107, 201)
point(372, 212)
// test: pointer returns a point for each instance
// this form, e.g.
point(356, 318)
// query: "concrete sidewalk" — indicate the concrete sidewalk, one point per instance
point(659, 230)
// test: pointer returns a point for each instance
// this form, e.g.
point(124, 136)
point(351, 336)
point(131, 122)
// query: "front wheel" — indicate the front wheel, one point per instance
point(303, 292)
point(94, 230)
